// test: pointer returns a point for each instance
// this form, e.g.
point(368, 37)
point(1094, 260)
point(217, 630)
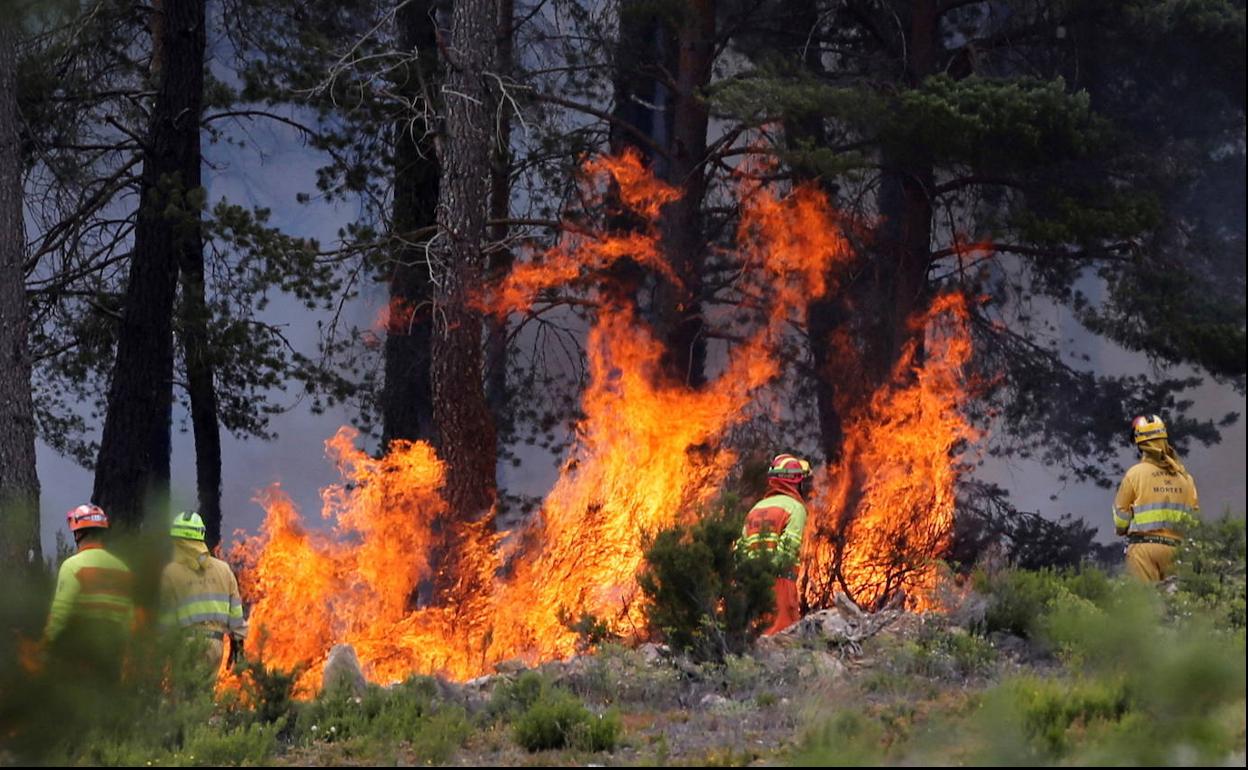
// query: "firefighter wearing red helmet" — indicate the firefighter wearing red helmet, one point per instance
point(773, 530)
point(1155, 501)
point(93, 609)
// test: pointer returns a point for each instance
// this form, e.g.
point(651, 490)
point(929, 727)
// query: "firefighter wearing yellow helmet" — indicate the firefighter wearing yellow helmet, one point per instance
point(773, 530)
point(1156, 499)
point(198, 592)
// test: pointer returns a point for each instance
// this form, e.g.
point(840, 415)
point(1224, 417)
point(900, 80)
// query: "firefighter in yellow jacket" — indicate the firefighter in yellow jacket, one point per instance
point(199, 592)
point(773, 530)
point(92, 613)
point(1155, 500)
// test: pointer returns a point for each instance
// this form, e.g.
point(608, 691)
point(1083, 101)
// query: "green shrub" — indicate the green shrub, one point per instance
point(382, 720)
point(1019, 599)
point(515, 696)
point(701, 599)
point(558, 719)
point(1211, 572)
point(939, 653)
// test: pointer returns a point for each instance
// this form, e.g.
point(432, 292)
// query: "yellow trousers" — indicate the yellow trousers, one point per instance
point(1150, 562)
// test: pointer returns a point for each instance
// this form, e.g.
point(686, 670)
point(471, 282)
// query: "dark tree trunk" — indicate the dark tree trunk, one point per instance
point(638, 110)
point(132, 471)
point(501, 257)
point(678, 309)
point(904, 236)
point(825, 316)
point(197, 351)
point(19, 483)
point(407, 398)
point(465, 425)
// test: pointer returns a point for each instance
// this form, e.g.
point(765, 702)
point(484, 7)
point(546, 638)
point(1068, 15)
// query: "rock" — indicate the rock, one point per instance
point(511, 666)
point(713, 700)
point(653, 653)
point(827, 624)
point(1010, 645)
point(821, 665)
point(342, 670)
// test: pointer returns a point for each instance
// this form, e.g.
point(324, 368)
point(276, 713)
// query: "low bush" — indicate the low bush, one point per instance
point(702, 599)
point(558, 719)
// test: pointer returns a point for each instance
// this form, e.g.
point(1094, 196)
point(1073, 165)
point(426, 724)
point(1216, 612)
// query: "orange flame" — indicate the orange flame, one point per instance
point(648, 454)
point(886, 510)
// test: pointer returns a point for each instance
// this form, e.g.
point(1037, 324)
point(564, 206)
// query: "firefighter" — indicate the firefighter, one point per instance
point(1155, 500)
point(773, 531)
point(199, 593)
point(92, 612)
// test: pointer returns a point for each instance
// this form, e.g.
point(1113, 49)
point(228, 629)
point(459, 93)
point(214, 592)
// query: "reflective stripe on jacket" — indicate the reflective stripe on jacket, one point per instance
point(199, 590)
point(1155, 500)
point(774, 527)
point(93, 584)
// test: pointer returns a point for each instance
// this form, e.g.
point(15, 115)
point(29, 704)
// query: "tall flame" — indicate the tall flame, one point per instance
point(886, 510)
point(649, 453)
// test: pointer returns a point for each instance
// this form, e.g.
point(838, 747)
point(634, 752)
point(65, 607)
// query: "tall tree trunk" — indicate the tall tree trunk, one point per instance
point(825, 316)
point(904, 236)
point(638, 109)
point(465, 425)
point(197, 351)
point(678, 309)
point(407, 398)
point(132, 472)
point(19, 483)
point(501, 257)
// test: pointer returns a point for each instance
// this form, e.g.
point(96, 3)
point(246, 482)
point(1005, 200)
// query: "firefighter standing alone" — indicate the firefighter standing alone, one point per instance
point(199, 593)
point(1156, 499)
point(773, 530)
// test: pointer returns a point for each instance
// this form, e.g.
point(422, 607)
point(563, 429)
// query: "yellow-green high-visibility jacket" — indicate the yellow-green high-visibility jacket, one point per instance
point(94, 589)
point(773, 530)
point(199, 590)
point(1153, 500)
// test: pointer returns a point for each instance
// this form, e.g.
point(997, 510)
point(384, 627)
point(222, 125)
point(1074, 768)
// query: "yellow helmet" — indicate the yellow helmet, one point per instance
point(1147, 427)
point(187, 525)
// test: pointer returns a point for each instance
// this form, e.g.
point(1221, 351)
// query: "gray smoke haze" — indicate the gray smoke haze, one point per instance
point(296, 459)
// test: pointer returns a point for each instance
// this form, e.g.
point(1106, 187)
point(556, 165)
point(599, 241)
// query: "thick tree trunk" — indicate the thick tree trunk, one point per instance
point(19, 483)
point(132, 472)
point(904, 236)
point(678, 309)
point(501, 257)
point(465, 425)
point(407, 398)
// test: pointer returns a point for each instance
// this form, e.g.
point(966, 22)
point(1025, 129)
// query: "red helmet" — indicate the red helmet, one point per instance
point(86, 516)
point(787, 467)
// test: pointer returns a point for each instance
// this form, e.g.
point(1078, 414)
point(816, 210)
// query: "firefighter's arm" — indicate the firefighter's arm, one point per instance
point(1124, 503)
point(791, 541)
point(67, 588)
point(238, 622)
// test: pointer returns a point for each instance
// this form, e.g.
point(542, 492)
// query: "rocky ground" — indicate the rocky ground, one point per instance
point(752, 709)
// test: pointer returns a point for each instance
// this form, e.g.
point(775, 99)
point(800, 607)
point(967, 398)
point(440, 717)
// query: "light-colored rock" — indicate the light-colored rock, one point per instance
point(511, 666)
point(342, 671)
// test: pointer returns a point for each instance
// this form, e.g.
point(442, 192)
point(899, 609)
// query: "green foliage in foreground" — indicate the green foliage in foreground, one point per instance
point(702, 599)
point(548, 717)
point(1142, 677)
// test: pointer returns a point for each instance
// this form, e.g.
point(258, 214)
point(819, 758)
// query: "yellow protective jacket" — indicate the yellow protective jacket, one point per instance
point(95, 590)
point(197, 590)
point(773, 529)
point(1154, 500)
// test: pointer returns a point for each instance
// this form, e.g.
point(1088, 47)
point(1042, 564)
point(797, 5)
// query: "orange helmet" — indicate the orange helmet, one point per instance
point(1147, 427)
point(86, 516)
point(788, 467)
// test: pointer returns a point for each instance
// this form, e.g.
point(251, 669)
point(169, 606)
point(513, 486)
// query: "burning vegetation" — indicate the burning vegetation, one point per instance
point(648, 454)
